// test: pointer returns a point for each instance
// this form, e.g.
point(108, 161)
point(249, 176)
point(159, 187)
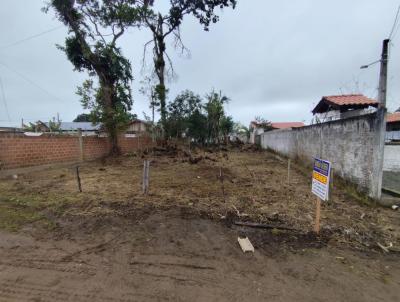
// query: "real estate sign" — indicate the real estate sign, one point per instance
point(320, 178)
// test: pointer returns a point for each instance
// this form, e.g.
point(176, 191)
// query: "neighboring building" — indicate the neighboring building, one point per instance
point(137, 127)
point(393, 126)
point(286, 125)
point(134, 128)
point(4, 128)
point(87, 128)
point(337, 107)
point(257, 128)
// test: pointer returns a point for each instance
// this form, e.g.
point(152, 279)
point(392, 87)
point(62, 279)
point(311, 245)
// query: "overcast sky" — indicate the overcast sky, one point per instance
point(274, 59)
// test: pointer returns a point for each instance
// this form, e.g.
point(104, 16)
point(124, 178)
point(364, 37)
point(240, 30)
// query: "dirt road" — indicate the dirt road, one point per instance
point(172, 257)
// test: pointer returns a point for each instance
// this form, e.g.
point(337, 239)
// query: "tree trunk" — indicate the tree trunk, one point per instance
point(159, 64)
point(110, 122)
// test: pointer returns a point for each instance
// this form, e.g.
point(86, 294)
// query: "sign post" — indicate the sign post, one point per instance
point(320, 187)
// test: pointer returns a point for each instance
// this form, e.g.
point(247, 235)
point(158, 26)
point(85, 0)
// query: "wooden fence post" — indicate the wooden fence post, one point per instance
point(317, 216)
point(146, 177)
point(78, 179)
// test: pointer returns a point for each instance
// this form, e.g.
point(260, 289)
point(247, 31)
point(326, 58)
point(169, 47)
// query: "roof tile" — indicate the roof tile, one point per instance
point(393, 117)
point(285, 125)
point(351, 99)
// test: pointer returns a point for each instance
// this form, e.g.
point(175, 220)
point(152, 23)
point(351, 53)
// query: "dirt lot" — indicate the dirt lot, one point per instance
point(179, 243)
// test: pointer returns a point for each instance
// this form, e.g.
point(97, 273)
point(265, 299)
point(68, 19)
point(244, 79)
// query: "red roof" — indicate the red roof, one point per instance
point(351, 101)
point(285, 125)
point(393, 117)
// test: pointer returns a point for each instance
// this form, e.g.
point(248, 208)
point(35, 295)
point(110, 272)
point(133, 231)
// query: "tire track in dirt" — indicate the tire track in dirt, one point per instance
point(50, 265)
point(197, 272)
point(29, 291)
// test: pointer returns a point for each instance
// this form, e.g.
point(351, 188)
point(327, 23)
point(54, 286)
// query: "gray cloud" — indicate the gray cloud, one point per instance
point(274, 59)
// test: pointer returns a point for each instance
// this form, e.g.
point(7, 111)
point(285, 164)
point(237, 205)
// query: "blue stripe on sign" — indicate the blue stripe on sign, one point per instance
point(321, 166)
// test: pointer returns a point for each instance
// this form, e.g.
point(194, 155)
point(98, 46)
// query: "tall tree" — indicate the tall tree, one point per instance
point(148, 90)
point(162, 25)
point(180, 111)
point(215, 114)
point(94, 28)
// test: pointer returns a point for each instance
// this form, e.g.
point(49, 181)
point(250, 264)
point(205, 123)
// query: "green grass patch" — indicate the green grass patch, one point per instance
point(17, 211)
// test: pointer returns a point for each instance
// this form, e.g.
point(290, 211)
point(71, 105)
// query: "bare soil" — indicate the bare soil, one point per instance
point(179, 243)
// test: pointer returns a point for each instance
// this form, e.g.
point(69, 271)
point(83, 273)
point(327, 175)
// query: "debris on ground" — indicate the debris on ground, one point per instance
point(253, 192)
point(385, 248)
point(246, 245)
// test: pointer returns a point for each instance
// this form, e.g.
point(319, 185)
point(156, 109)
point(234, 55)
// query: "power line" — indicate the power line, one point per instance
point(395, 31)
point(4, 99)
point(394, 23)
point(31, 82)
point(30, 37)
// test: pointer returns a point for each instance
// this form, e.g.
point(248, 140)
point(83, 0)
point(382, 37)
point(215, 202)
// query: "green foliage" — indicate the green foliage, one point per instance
point(265, 124)
point(90, 50)
point(197, 126)
point(226, 125)
point(83, 117)
point(31, 127)
point(240, 129)
point(116, 117)
point(215, 114)
point(163, 24)
point(54, 126)
point(179, 112)
point(203, 123)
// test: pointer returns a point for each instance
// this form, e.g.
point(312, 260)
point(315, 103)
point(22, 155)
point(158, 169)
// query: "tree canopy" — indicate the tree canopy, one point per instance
point(94, 28)
point(204, 122)
point(162, 25)
point(83, 117)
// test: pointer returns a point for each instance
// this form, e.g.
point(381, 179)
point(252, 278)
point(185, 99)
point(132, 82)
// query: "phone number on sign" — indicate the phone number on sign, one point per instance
point(321, 178)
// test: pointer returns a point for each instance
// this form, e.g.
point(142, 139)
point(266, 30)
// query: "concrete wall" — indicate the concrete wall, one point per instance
point(352, 145)
point(391, 160)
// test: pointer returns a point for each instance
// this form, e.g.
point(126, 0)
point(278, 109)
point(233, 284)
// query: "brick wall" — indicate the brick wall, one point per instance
point(95, 147)
point(18, 150)
point(129, 144)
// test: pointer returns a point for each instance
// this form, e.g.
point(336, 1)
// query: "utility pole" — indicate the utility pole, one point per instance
point(381, 119)
point(383, 74)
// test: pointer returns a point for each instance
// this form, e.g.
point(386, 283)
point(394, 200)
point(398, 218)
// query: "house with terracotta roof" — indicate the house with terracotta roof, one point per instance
point(337, 107)
point(257, 128)
point(393, 126)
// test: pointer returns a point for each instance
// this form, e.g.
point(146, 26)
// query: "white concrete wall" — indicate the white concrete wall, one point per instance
point(391, 160)
point(351, 145)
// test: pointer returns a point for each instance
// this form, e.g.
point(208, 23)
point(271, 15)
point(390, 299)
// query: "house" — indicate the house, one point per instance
point(137, 127)
point(337, 107)
point(393, 126)
point(87, 128)
point(286, 125)
point(9, 127)
point(257, 128)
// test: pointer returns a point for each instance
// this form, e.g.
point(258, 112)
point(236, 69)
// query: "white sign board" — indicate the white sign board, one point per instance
point(320, 178)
